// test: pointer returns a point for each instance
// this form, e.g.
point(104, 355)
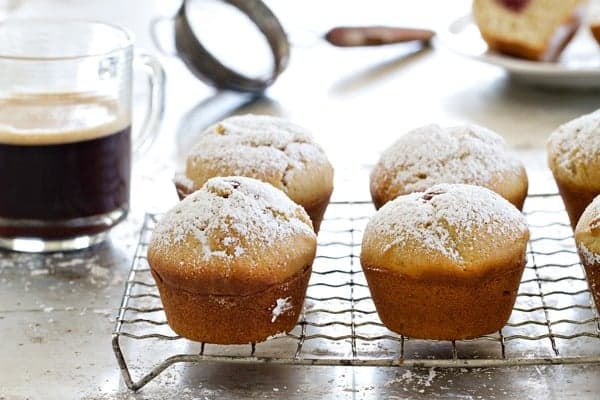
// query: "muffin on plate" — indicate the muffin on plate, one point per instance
point(433, 154)
point(595, 30)
point(445, 263)
point(574, 158)
point(533, 29)
point(587, 237)
point(232, 262)
point(267, 148)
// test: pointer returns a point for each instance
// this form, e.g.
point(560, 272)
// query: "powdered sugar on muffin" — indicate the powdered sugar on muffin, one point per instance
point(229, 217)
point(587, 233)
point(433, 154)
point(447, 219)
point(587, 255)
point(574, 145)
point(281, 306)
point(254, 146)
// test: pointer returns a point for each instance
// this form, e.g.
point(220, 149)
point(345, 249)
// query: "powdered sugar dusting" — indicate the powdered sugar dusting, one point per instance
point(433, 154)
point(281, 306)
point(185, 182)
point(445, 219)
point(254, 146)
point(230, 216)
point(587, 255)
point(576, 142)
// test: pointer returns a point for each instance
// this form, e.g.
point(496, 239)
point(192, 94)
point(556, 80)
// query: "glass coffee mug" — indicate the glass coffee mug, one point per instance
point(65, 131)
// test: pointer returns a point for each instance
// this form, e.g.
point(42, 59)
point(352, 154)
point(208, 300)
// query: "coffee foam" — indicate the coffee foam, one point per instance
point(45, 119)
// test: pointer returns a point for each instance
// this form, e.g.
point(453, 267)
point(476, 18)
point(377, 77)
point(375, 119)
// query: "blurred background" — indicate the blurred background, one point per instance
point(355, 100)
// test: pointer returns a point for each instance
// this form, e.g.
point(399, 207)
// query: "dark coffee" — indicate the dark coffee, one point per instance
point(53, 190)
point(65, 181)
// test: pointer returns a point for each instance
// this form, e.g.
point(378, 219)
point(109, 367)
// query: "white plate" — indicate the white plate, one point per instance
point(578, 67)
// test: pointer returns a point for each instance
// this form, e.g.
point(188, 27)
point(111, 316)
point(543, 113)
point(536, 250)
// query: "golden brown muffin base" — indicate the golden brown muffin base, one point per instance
point(575, 200)
point(315, 211)
point(378, 200)
point(595, 29)
point(182, 190)
point(232, 319)
point(443, 310)
point(519, 201)
point(592, 273)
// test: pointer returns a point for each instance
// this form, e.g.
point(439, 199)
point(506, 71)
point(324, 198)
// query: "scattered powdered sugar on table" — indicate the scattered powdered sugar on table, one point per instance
point(281, 306)
point(577, 141)
point(229, 216)
point(588, 256)
point(254, 146)
point(414, 377)
point(445, 216)
point(433, 154)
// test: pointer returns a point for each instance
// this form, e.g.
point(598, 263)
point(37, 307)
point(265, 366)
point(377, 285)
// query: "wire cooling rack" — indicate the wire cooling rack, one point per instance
point(553, 321)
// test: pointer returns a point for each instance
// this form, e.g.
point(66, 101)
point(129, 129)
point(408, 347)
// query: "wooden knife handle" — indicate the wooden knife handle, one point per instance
point(375, 35)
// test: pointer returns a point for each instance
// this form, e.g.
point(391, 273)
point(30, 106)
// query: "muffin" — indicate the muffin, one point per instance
point(445, 263)
point(587, 237)
point(533, 29)
point(574, 158)
point(433, 154)
point(267, 148)
point(232, 262)
point(595, 30)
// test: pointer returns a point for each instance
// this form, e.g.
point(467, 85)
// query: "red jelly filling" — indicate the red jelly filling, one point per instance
point(514, 5)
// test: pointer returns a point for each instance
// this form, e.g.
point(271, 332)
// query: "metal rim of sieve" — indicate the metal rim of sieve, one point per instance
point(206, 67)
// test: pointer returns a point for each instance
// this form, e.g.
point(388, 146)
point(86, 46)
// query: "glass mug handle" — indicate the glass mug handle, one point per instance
point(156, 102)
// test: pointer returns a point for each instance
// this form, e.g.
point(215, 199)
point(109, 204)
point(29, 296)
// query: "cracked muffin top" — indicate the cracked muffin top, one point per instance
point(450, 231)
point(432, 154)
point(267, 148)
point(574, 152)
point(234, 236)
